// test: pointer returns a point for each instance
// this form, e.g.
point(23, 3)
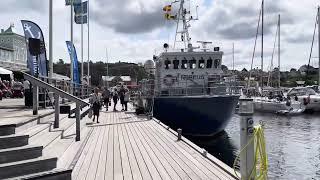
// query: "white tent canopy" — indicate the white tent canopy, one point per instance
point(6, 72)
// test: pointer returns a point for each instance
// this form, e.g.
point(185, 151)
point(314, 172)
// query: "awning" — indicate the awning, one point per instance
point(6, 72)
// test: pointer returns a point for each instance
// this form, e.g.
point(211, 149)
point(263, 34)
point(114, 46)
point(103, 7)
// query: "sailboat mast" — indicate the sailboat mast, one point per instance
point(319, 41)
point(279, 35)
point(262, 28)
point(233, 57)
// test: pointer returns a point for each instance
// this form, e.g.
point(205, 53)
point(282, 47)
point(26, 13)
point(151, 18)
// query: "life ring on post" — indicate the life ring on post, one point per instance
point(168, 80)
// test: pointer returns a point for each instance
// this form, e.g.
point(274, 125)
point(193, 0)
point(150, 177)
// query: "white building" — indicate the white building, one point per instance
point(13, 50)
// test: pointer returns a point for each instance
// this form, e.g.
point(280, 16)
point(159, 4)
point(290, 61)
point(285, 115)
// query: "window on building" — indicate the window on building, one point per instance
point(167, 64)
point(176, 64)
point(216, 63)
point(209, 63)
point(201, 63)
point(193, 63)
point(184, 64)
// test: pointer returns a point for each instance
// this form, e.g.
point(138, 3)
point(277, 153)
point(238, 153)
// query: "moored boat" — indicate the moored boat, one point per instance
point(188, 91)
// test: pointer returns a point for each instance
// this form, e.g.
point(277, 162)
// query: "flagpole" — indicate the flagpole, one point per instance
point(82, 46)
point(50, 41)
point(89, 42)
point(71, 63)
point(107, 67)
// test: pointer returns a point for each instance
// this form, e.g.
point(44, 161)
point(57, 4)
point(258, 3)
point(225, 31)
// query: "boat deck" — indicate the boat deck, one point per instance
point(126, 146)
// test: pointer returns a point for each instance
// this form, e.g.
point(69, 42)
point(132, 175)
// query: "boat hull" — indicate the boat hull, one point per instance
point(196, 115)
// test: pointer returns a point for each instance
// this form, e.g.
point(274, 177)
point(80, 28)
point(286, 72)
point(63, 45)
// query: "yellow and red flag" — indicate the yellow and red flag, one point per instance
point(167, 8)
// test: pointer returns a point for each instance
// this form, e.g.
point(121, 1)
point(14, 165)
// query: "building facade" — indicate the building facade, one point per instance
point(13, 50)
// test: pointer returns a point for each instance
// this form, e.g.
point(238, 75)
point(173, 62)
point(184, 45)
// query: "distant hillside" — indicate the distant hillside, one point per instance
point(99, 69)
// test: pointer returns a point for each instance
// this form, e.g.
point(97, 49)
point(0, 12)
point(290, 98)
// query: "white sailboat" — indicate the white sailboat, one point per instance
point(272, 100)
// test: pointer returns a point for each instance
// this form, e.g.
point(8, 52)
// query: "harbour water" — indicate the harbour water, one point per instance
point(292, 145)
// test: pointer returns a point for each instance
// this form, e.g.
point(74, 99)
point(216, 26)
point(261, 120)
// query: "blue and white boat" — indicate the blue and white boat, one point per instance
point(188, 90)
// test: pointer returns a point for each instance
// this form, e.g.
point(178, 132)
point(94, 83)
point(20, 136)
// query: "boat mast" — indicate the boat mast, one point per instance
point(182, 16)
point(279, 73)
point(233, 57)
point(262, 28)
point(319, 41)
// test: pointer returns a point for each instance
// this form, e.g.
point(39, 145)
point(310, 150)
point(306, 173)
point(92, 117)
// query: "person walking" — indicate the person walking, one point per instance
point(121, 93)
point(96, 104)
point(106, 95)
point(126, 99)
point(27, 93)
point(115, 98)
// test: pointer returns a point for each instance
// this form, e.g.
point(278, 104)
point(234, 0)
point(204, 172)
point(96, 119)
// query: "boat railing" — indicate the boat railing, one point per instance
point(191, 91)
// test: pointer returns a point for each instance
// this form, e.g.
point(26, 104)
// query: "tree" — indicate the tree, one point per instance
point(60, 61)
point(224, 67)
point(293, 70)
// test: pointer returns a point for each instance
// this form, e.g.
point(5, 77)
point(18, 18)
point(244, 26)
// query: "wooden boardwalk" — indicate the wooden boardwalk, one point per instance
point(126, 146)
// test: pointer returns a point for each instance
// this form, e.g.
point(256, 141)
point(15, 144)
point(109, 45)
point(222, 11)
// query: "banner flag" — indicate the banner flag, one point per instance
point(81, 9)
point(74, 61)
point(80, 13)
point(81, 19)
point(68, 2)
point(32, 30)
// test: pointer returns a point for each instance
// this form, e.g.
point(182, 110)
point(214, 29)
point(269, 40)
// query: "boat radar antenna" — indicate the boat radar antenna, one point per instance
point(204, 45)
point(183, 16)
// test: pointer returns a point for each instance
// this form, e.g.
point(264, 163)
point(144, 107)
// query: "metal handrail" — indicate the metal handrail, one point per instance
point(68, 86)
point(36, 83)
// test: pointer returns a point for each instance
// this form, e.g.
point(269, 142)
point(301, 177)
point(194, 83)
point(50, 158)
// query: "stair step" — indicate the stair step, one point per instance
point(59, 174)
point(12, 141)
point(21, 168)
point(20, 153)
point(6, 130)
point(46, 137)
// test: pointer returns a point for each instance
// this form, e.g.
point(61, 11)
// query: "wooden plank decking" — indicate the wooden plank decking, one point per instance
point(126, 146)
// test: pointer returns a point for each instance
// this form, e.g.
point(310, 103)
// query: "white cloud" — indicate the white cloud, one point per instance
point(133, 30)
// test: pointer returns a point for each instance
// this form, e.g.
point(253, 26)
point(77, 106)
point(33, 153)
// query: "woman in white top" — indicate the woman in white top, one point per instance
point(96, 104)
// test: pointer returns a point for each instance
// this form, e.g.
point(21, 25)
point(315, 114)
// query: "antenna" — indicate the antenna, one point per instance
point(204, 45)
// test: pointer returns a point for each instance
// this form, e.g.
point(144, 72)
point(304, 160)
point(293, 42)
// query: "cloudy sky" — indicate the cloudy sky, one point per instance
point(133, 30)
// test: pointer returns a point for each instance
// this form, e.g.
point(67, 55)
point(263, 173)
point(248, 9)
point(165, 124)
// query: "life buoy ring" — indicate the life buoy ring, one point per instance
point(169, 80)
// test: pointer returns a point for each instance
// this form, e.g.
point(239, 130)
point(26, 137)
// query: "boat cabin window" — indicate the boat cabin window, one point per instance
point(216, 63)
point(167, 64)
point(209, 63)
point(192, 64)
point(184, 64)
point(201, 63)
point(176, 64)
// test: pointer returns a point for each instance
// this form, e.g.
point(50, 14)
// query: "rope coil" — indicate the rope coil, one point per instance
point(260, 158)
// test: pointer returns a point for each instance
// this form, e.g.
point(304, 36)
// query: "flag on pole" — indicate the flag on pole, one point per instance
point(167, 8)
point(169, 16)
point(74, 61)
point(81, 8)
point(68, 2)
point(81, 19)
point(80, 13)
point(32, 30)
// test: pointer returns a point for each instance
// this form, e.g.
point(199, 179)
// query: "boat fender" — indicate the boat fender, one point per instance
point(306, 101)
point(288, 103)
